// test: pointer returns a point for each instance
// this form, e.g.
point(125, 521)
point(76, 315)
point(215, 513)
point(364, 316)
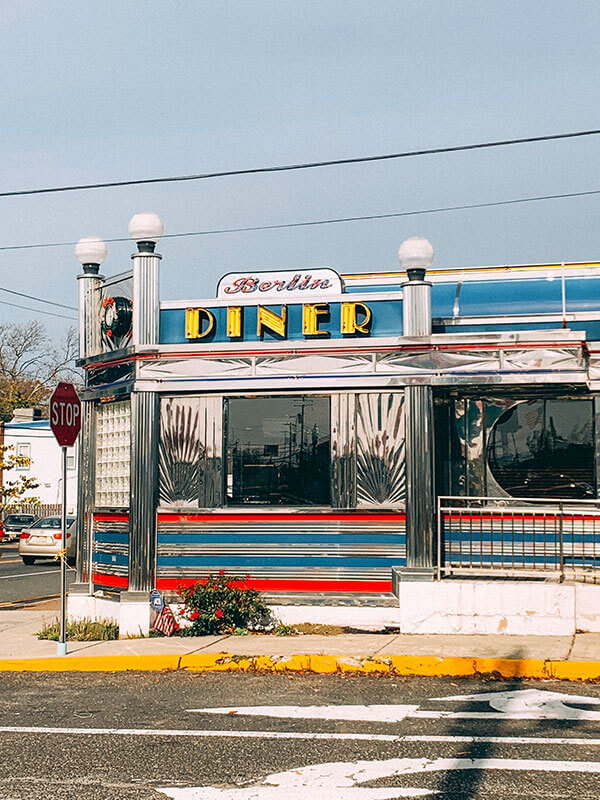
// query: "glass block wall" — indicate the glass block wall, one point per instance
point(113, 454)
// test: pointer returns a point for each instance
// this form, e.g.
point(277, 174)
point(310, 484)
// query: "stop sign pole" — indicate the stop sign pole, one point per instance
point(65, 421)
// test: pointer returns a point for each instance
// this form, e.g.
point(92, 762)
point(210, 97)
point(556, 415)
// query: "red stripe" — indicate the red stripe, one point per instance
point(110, 580)
point(111, 517)
point(245, 517)
point(507, 516)
point(293, 585)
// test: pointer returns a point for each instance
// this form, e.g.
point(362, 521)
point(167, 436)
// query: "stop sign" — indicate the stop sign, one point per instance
point(65, 414)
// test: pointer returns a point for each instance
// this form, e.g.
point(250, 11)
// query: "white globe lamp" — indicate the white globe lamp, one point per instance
point(146, 229)
point(91, 252)
point(416, 256)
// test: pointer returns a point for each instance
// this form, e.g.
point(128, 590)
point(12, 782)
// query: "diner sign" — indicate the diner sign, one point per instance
point(280, 284)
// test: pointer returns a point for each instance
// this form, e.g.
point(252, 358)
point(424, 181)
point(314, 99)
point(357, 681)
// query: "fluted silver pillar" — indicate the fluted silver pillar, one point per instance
point(85, 493)
point(144, 449)
point(418, 415)
point(90, 284)
point(145, 298)
point(144, 425)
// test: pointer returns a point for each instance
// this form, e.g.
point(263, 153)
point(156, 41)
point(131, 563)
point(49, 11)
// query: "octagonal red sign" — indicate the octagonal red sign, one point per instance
point(65, 414)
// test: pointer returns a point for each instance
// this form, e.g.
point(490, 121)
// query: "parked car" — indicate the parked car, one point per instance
point(15, 523)
point(43, 539)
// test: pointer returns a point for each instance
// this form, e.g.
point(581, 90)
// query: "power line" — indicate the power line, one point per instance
point(330, 221)
point(36, 310)
point(38, 299)
point(305, 165)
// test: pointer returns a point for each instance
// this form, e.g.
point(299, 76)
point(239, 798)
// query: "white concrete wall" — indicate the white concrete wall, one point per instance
point(470, 607)
point(46, 463)
point(133, 618)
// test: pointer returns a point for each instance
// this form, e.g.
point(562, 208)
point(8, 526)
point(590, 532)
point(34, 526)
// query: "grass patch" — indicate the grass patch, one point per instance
point(83, 630)
point(307, 628)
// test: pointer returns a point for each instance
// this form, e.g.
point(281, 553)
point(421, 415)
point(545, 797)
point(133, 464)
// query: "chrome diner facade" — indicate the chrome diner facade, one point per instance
point(300, 426)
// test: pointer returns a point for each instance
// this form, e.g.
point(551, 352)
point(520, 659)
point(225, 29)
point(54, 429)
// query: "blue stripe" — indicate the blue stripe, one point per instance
point(110, 558)
point(114, 537)
point(253, 561)
point(280, 538)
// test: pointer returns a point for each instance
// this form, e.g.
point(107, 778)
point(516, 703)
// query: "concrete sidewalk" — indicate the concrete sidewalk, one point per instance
point(571, 657)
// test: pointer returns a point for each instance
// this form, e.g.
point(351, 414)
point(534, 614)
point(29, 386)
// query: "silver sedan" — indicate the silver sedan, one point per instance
point(43, 539)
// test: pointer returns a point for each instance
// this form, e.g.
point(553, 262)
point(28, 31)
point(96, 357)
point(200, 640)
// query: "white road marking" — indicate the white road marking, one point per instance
point(343, 779)
point(299, 793)
point(29, 574)
point(375, 737)
point(373, 713)
point(518, 704)
point(532, 704)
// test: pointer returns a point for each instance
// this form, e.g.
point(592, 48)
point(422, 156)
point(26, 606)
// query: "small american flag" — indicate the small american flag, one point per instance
point(165, 622)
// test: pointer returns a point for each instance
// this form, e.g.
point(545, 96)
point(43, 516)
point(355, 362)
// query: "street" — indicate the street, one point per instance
point(207, 736)
point(19, 583)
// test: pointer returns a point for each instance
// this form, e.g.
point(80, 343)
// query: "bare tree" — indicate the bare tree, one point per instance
point(31, 365)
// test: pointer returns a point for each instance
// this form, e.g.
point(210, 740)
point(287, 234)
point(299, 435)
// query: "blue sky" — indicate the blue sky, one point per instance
point(121, 89)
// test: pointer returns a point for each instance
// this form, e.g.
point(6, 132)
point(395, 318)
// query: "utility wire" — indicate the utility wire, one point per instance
point(331, 221)
point(36, 310)
point(307, 223)
point(305, 165)
point(38, 299)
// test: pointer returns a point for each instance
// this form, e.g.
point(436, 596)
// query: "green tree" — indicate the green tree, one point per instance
point(31, 366)
point(15, 492)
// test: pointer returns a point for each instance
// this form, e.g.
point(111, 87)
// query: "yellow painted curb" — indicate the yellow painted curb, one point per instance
point(431, 666)
point(90, 663)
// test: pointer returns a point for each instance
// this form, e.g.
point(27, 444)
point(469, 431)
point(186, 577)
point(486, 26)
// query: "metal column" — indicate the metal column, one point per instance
point(85, 492)
point(418, 409)
point(90, 284)
point(144, 490)
point(144, 428)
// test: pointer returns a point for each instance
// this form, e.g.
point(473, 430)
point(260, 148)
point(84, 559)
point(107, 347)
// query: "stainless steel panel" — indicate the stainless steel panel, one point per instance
point(85, 489)
point(210, 480)
point(475, 447)
point(597, 441)
point(380, 452)
point(343, 449)
point(144, 447)
point(418, 410)
point(180, 451)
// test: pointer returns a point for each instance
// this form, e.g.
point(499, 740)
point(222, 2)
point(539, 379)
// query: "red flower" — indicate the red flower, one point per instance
point(221, 572)
point(218, 613)
point(181, 612)
point(194, 615)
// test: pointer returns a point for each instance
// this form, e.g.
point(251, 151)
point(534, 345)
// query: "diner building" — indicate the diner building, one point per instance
point(334, 437)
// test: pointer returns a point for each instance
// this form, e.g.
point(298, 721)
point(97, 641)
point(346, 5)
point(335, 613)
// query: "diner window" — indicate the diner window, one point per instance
point(278, 450)
point(544, 448)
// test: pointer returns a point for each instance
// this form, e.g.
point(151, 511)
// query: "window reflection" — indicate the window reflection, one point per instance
point(544, 448)
point(277, 450)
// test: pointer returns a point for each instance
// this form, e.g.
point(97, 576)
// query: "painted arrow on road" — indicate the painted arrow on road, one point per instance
point(343, 779)
point(518, 704)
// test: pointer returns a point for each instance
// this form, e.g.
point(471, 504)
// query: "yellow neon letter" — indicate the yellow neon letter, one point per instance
point(234, 321)
point(310, 318)
point(350, 323)
point(271, 321)
point(193, 322)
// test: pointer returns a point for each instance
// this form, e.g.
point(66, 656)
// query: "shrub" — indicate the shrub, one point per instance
point(222, 604)
point(82, 630)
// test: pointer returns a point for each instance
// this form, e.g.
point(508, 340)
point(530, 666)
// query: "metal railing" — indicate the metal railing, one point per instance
point(521, 536)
